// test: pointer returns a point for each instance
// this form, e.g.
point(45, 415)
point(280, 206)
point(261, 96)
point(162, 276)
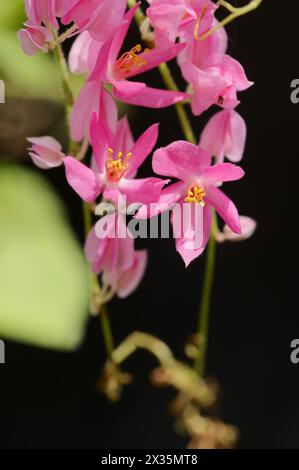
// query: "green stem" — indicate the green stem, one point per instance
point(69, 99)
point(64, 76)
point(205, 304)
point(96, 291)
point(181, 112)
point(235, 12)
point(107, 331)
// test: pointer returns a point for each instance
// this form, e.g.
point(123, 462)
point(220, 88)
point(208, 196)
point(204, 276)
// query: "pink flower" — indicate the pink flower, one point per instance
point(217, 81)
point(83, 51)
point(34, 38)
point(62, 7)
point(179, 18)
point(248, 227)
point(45, 152)
point(225, 136)
point(116, 160)
point(122, 267)
point(92, 98)
point(116, 71)
point(42, 12)
point(165, 17)
point(198, 185)
point(42, 18)
point(100, 18)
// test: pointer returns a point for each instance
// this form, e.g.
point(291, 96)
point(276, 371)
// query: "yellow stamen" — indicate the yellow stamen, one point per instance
point(116, 167)
point(130, 61)
point(199, 20)
point(196, 195)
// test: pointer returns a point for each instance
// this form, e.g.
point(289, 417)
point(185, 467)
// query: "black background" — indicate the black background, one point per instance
point(49, 399)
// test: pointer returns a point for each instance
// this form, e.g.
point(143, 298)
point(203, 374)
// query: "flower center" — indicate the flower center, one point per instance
point(116, 167)
point(129, 62)
point(196, 195)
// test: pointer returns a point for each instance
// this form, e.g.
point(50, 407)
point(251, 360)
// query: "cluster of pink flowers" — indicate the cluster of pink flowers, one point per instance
point(174, 27)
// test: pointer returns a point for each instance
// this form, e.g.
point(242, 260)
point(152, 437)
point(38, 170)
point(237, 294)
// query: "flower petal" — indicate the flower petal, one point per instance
point(142, 148)
point(181, 160)
point(225, 208)
point(207, 85)
point(225, 135)
point(123, 140)
point(87, 102)
point(129, 280)
point(220, 173)
point(248, 227)
point(169, 196)
point(192, 232)
point(139, 94)
point(143, 191)
point(82, 179)
point(45, 152)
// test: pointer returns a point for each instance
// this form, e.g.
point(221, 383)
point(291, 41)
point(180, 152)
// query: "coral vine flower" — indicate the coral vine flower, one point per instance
point(225, 136)
point(174, 18)
point(83, 51)
point(34, 38)
point(42, 12)
point(198, 185)
point(42, 18)
point(116, 160)
point(122, 267)
point(217, 81)
point(116, 70)
point(248, 227)
point(45, 152)
point(99, 17)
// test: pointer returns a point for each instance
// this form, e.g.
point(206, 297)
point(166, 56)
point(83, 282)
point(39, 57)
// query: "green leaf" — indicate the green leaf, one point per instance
point(44, 282)
point(27, 76)
point(12, 14)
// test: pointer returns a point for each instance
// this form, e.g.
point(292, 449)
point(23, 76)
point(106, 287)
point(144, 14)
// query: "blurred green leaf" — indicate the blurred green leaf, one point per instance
point(44, 282)
point(24, 76)
point(12, 14)
point(27, 77)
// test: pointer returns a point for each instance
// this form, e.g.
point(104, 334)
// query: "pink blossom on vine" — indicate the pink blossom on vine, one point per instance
point(100, 18)
point(198, 185)
point(45, 152)
point(34, 38)
point(115, 163)
point(42, 12)
point(217, 81)
point(225, 136)
point(116, 70)
point(171, 19)
point(92, 98)
point(114, 257)
point(82, 53)
point(248, 227)
point(42, 18)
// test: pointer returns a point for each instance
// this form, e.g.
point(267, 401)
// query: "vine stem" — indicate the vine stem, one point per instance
point(235, 12)
point(87, 215)
point(181, 112)
point(205, 303)
point(96, 293)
